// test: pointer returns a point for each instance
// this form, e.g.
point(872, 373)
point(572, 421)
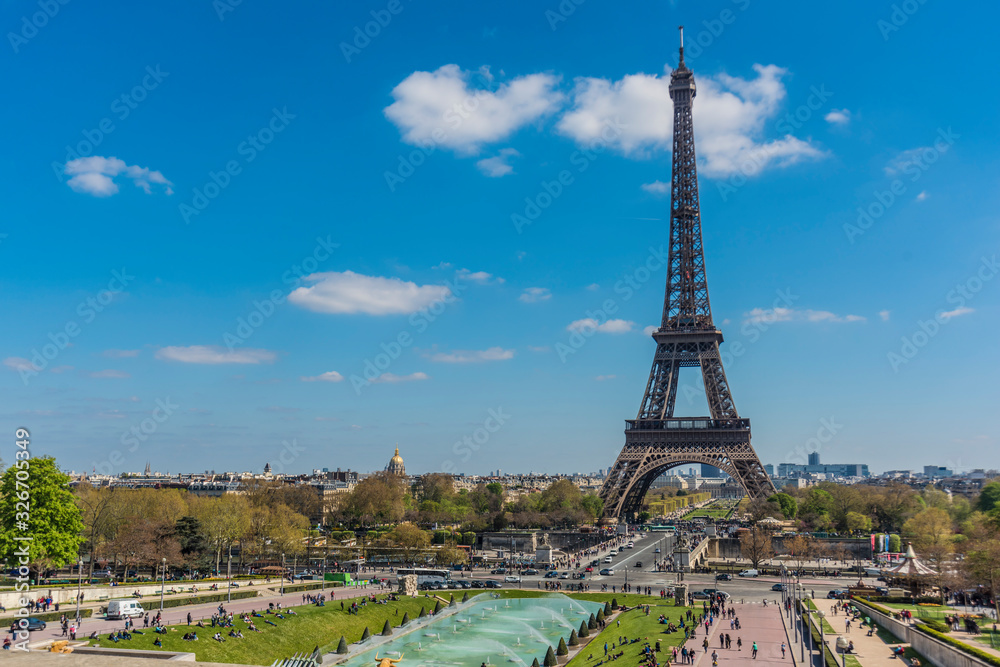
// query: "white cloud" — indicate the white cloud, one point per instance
point(650, 330)
point(472, 356)
point(19, 364)
point(908, 157)
point(498, 165)
point(593, 287)
point(635, 116)
point(481, 277)
point(535, 294)
point(442, 265)
point(539, 348)
point(602, 378)
point(95, 176)
point(962, 310)
point(120, 354)
point(440, 108)
point(391, 378)
point(349, 292)
point(884, 314)
point(110, 374)
point(329, 376)
point(589, 324)
point(922, 196)
point(656, 188)
point(772, 315)
point(838, 117)
point(214, 354)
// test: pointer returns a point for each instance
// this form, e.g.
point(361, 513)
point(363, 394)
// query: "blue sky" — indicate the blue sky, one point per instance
point(461, 192)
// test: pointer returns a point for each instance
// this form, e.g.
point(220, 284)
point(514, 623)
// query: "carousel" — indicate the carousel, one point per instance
point(912, 570)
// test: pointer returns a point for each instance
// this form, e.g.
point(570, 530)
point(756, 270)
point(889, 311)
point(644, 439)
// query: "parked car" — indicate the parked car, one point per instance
point(493, 583)
point(723, 576)
point(749, 573)
point(478, 584)
point(607, 572)
point(35, 624)
point(701, 595)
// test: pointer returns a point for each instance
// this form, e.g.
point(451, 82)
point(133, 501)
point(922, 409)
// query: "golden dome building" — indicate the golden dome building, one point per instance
point(396, 466)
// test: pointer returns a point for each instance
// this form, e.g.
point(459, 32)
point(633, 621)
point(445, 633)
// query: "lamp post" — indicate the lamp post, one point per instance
point(79, 586)
point(282, 574)
point(804, 619)
point(163, 582)
point(229, 576)
point(822, 641)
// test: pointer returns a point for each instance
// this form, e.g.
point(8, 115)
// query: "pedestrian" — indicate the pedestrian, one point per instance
point(189, 618)
point(704, 643)
point(847, 623)
point(782, 650)
point(739, 644)
point(754, 650)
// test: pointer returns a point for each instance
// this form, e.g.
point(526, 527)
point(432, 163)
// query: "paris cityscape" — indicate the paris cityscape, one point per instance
point(382, 334)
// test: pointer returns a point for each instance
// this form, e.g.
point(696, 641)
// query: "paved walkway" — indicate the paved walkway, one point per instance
point(758, 624)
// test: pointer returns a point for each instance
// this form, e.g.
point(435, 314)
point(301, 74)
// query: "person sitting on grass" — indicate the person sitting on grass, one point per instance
point(219, 638)
point(157, 643)
point(270, 622)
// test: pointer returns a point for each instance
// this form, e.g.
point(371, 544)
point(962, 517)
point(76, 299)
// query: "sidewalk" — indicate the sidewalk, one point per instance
point(758, 624)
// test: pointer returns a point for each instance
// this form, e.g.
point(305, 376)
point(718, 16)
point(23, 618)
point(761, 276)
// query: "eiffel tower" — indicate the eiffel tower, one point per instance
point(655, 440)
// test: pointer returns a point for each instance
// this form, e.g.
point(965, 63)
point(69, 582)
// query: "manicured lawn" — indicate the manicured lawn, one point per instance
point(634, 624)
point(312, 626)
point(827, 628)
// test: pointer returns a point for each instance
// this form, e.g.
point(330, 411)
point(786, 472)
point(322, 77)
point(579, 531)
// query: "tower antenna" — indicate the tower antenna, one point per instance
point(681, 28)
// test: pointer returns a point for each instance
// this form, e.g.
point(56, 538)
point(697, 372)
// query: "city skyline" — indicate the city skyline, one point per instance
point(457, 244)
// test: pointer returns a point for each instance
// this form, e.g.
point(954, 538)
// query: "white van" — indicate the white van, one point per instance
point(748, 573)
point(873, 572)
point(124, 608)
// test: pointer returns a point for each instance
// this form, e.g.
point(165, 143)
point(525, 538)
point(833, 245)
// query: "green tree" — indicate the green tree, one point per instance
point(989, 497)
point(409, 540)
point(550, 658)
point(895, 543)
point(857, 522)
point(788, 505)
point(35, 502)
point(562, 649)
point(342, 646)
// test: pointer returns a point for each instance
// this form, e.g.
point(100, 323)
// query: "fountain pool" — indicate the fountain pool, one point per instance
point(484, 631)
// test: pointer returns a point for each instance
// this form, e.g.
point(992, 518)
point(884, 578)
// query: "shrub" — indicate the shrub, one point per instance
point(936, 625)
point(387, 628)
point(600, 615)
point(406, 619)
point(584, 631)
point(423, 613)
point(562, 649)
point(550, 658)
point(592, 622)
point(342, 646)
point(534, 663)
point(366, 634)
point(982, 655)
point(573, 639)
point(469, 538)
point(614, 604)
point(451, 600)
point(607, 609)
point(438, 607)
point(465, 598)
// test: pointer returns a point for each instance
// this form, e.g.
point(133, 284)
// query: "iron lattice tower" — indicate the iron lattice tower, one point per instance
point(655, 440)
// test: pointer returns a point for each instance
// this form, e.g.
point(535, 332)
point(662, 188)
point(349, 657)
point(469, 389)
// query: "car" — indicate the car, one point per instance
point(478, 584)
point(656, 550)
point(701, 595)
point(493, 583)
point(723, 576)
point(835, 594)
point(638, 563)
point(579, 575)
point(512, 579)
point(614, 552)
point(595, 563)
point(608, 559)
point(551, 574)
point(630, 545)
point(34, 624)
point(607, 572)
point(499, 570)
point(882, 590)
point(749, 573)
point(778, 587)
point(590, 568)
point(564, 575)
point(530, 572)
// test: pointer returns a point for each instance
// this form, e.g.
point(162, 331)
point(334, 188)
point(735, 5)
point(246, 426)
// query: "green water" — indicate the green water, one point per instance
point(484, 629)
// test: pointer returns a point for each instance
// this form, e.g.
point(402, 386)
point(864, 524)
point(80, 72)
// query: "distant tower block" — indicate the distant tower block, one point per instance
point(814, 459)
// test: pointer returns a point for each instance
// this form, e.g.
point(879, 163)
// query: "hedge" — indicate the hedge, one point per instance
point(218, 597)
point(830, 660)
point(298, 588)
point(925, 599)
point(962, 646)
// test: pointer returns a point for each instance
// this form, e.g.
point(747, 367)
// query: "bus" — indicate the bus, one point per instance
point(425, 574)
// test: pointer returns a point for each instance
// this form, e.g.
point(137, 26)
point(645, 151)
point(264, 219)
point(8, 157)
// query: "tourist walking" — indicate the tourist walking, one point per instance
point(754, 650)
